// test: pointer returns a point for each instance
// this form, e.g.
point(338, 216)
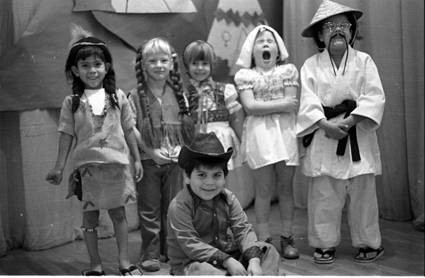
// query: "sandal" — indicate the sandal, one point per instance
point(324, 256)
point(367, 255)
point(92, 273)
point(132, 270)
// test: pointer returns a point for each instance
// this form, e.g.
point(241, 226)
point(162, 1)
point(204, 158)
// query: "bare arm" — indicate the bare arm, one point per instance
point(254, 107)
point(131, 139)
point(56, 174)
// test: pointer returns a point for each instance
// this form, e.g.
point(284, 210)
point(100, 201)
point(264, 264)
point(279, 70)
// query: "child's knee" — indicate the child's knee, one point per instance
point(91, 219)
point(117, 214)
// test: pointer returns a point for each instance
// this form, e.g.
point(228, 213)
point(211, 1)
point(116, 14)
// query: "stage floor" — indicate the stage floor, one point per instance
point(404, 254)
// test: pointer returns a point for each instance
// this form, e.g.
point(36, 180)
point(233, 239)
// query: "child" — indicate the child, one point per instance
point(268, 92)
point(98, 117)
point(341, 95)
point(208, 231)
point(162, 120)
point(214, 107)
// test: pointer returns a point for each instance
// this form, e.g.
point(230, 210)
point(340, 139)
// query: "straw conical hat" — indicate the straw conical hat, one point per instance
point(327, 9)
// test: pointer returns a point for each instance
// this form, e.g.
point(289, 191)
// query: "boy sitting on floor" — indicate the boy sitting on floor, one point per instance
point(208, 231)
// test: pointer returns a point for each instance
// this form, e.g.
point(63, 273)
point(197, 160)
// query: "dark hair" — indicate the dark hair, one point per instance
point(196, 163)
point(199, 51)
point(80, 52)
point(353, 29)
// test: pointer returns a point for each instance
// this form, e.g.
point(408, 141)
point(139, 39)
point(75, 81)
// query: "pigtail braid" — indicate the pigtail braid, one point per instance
point(77, 92)
point(146, 127)
point(110, 87)
point(188, 127)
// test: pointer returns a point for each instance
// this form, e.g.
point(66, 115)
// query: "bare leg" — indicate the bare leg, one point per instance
point(119, 221)
point(285, 176)
point(90, 222)
point(264, 188)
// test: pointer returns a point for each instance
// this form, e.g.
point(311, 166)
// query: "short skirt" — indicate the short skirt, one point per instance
point(106, 186)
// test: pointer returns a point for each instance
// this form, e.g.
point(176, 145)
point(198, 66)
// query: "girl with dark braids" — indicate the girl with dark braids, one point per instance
point(162, 119)
point(98, 118)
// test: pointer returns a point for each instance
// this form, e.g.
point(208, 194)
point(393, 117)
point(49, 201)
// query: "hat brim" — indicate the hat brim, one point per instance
point(310, 31)
point(186, 154)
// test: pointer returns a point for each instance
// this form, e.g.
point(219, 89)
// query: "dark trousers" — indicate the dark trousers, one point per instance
point(159, 185)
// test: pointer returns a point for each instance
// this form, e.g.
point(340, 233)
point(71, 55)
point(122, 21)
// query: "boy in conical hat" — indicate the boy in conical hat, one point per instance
point(208, 231)
point(341, 106)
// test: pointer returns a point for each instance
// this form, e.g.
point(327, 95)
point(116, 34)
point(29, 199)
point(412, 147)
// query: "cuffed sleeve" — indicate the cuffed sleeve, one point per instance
point(310, 110)
point(218, 258)
point(371, 101)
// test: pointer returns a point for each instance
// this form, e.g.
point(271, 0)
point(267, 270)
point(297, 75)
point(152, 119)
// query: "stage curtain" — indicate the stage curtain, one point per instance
point(392, 32)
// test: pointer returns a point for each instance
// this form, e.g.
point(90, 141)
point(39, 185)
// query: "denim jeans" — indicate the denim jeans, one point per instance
point(159, 185)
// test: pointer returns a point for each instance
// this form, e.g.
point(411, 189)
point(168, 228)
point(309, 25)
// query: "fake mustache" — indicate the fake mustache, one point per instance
point(338, 34)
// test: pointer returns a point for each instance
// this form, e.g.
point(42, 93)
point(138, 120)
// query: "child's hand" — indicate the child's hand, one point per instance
point(234, 267)
point(291, 104)
point(158, 156)
point(333, 130)
point(138, 171)
point(254, 267)
point(55, 176)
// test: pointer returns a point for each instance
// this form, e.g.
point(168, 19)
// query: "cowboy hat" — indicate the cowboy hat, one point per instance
point(204, 147)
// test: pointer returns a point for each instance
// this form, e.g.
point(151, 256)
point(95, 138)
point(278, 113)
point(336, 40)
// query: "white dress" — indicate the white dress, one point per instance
point(268, 139)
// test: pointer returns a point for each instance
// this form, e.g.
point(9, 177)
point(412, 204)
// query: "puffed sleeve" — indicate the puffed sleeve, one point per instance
point(127, 117)
point(66, 119)
point(231, 99)
point(244, 79)
point(371, 101)
point(289, 74)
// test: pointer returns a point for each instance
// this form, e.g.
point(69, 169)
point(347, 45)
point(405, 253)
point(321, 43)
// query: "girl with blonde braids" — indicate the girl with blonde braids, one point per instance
point(162, 119)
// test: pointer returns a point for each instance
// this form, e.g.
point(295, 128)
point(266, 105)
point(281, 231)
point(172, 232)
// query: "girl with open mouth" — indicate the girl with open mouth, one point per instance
point(268, 92)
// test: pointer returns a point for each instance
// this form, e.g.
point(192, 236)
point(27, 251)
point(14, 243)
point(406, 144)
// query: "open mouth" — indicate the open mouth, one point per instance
point(266, 55)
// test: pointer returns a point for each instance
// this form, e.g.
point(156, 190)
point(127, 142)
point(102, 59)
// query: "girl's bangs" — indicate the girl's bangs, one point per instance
point(88, 51)
point(156, 46)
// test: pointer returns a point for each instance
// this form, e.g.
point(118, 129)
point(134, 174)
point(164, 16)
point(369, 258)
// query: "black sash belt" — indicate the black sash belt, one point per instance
point(347, 106)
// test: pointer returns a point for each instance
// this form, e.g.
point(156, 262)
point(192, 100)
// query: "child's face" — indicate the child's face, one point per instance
point(335, 33)
point(206, 182)
point(265, 50)
point(199, 70)
point(158, 66)
point(91, 71)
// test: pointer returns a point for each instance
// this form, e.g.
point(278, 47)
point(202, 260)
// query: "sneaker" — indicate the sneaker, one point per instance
point(288, 249)
point(151, 265)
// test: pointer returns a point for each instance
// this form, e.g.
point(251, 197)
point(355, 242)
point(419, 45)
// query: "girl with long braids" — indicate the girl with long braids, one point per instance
point(97, 116)
point(162, 118)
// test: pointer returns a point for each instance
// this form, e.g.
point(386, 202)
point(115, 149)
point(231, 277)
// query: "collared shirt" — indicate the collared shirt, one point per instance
point(207, 231)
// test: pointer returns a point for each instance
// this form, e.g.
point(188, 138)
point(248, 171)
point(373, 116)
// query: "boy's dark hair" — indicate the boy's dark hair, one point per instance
point(196, 163)
point(205, 149)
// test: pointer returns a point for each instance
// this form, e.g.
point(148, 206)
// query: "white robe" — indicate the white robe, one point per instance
point(319, 86)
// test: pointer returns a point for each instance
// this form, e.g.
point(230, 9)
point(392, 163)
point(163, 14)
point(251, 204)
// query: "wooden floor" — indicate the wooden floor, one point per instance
point(404, 254)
